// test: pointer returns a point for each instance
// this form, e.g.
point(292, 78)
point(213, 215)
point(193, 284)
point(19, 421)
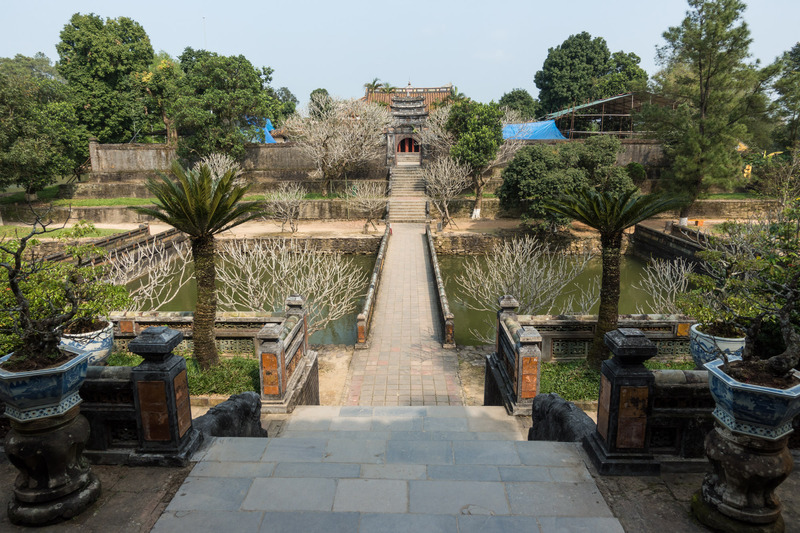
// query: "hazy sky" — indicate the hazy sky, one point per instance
point(485, 48)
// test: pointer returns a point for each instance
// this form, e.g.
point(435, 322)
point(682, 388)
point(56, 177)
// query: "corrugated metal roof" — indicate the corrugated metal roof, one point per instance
point(624, 101)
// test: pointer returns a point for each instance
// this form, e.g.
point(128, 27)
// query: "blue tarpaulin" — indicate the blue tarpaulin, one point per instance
point(545, 130)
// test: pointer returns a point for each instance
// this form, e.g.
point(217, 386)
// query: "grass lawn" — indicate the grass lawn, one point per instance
point(576, 382)
point(19, 231)
point(99, 202)
point(231, 376)
point(733, 196)
point(46, 194)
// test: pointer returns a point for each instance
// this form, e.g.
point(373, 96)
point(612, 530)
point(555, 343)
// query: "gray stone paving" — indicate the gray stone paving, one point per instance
point(405, 363)
point(371, 477)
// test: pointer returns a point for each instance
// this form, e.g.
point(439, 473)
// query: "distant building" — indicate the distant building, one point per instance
point(410, 107)
point(608, 116)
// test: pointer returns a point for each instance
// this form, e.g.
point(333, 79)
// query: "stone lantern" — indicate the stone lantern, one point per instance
point(161, 396)
point(619, 446)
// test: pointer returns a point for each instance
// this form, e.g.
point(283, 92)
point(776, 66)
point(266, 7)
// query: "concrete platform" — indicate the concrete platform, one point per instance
point(375, 469)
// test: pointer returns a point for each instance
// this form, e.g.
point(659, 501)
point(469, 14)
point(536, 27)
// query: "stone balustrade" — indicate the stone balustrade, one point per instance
point(513, 370)
point(364, 318)
point(289, 372)
point(448, 319)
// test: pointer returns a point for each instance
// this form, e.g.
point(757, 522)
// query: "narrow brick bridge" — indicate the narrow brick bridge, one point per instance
point(405, 363)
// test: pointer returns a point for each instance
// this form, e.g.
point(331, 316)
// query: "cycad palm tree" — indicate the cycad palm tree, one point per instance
point(611, 214)
point(201, 205)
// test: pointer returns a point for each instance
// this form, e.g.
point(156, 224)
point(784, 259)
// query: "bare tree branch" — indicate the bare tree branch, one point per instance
point(369, 198)
point(156, 273)
point(444, 180)
point(526, 269)
point(340, 136)
point(664, 281)
point(260, 275)
point(284, 204)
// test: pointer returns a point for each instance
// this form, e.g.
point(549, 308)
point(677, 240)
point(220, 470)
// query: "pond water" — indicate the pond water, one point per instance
point(342, 331)
point(467, 319)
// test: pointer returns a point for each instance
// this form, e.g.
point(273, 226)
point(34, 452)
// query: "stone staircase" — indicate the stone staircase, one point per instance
point(368, 469)
point(407, 202)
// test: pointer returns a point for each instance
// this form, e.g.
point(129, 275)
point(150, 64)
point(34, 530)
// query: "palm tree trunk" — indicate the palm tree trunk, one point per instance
point(609, 298)
point(205, 350)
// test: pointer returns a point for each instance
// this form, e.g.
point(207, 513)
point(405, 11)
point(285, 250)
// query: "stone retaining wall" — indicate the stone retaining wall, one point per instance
point(649, 243)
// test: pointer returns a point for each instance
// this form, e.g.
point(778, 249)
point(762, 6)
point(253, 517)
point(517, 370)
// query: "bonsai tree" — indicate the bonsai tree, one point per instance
point(751, 281)
point(202, 203)
point(41, 299)
point(610, 213)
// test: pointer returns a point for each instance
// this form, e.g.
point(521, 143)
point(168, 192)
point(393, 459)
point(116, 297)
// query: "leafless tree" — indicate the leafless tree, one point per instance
point(439, 141)
point(444, 180)
point(156, 272)
point(284, 204)
point(369, 198)
point(434, 134)
point(340, 136)
point(219, 164)
point(527, 269)
point(260, 275)
point(664, 281)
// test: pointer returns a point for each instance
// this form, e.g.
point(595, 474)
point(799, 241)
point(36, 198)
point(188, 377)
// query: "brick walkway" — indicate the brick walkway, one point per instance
point(405, 363)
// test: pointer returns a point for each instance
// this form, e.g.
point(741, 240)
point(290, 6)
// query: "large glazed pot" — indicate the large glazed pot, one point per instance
point(98, 343)
point(705, 348)
point(754, 410)
point(36, 394)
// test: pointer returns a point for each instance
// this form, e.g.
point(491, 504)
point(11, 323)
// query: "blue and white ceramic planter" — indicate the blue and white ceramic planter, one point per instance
point(98, 343)
point(43, 393)
point(752, 409)
point(706, 348)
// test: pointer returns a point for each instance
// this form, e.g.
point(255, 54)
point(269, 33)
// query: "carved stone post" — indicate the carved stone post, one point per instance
point(161, 397)
point(739, 493)
point(620, 446)
point(512, 371)
point(289, 372)
point(54, 481)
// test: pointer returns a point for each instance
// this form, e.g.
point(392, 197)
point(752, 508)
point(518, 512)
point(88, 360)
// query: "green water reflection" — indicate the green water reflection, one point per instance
point(342, 331)
point(467, 319)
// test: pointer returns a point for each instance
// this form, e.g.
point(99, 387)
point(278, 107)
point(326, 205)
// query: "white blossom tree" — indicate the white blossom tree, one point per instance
point(340, 136)
point(284, 204)
point(664, 281)
point(369, 199)
point(155, 272)
point(219, 164)
point(259, 276)
point(444, 180)
point(527, 269)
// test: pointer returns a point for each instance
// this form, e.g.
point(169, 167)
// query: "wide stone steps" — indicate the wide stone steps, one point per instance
point(407, 182)
point(407, 209)
point(370, 469)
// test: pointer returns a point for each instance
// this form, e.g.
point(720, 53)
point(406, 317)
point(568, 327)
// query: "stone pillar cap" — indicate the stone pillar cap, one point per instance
point(156, 340)
point(508, 302)
point(630, 344)
point(295, 300)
